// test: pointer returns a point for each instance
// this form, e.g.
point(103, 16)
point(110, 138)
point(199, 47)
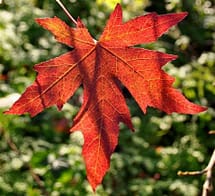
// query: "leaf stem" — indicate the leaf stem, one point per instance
point(66, 11)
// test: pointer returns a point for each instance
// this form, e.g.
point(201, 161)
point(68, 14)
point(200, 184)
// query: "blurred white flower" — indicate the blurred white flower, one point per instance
point(9, 100)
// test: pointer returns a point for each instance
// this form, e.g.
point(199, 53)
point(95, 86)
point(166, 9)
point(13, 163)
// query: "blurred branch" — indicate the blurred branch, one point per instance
point(14, 148)
point(212, 132)
point(207, 186)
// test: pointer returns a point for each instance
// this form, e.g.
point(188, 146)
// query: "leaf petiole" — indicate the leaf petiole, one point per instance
point(69, 15)
point(66, 11)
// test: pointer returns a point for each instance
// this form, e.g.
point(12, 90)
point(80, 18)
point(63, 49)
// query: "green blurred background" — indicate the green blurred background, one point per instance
point(38, 156)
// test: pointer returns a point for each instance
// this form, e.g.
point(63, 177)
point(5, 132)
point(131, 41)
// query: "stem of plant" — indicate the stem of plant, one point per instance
point(66, 11)
point(68, 14)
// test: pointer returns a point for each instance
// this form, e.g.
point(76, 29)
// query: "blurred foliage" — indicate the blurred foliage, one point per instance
point(145, 162)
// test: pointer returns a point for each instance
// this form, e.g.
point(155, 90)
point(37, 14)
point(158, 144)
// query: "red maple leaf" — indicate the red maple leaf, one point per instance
point(101, 66)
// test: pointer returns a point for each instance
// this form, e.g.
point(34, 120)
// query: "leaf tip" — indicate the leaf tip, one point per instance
point(118, 6)
point(10, 111)
point(93, 183)
point(195, 109)
point(182, 15)
point(117, 13)
point(202, 109)
point(80, 24)
point(6, 112)
point(39, 20)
